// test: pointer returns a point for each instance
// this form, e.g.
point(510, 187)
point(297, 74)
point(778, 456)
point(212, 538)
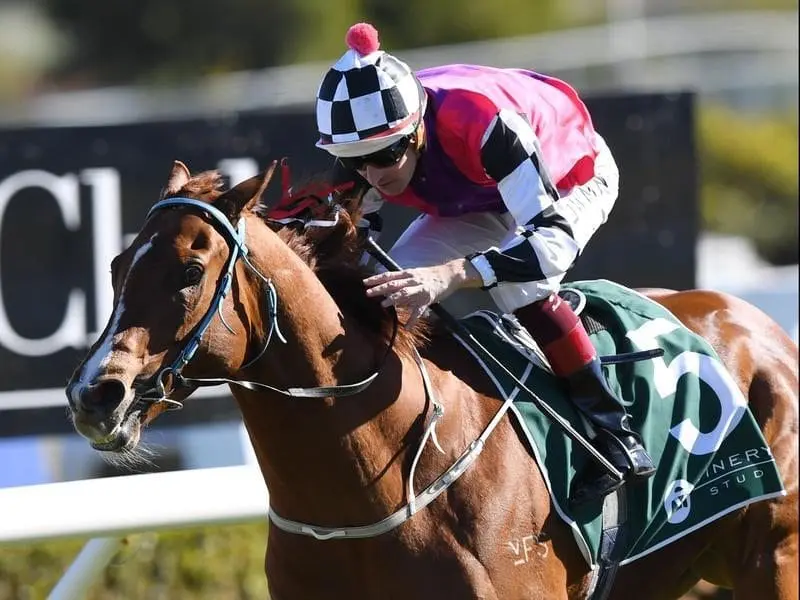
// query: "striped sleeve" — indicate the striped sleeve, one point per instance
point(545, 247)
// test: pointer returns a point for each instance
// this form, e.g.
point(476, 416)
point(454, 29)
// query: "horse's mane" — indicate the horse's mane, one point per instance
point(333, 253)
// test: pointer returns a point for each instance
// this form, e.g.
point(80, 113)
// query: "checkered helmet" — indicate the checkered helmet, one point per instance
point(368, 100)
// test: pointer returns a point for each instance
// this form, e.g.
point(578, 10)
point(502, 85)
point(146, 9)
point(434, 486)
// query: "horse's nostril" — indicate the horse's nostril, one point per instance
point(103, 396)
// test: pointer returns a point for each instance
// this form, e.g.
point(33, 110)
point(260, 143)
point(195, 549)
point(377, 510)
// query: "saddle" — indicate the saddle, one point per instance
point(576, 301)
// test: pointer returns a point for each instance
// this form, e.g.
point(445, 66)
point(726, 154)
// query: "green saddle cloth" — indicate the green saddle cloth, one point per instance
point(694, 421)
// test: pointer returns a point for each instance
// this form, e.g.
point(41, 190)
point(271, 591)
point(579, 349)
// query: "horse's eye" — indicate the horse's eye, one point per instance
point(192, 274)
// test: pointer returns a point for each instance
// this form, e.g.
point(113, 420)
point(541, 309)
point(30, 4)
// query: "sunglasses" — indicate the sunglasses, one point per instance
point(381, 159)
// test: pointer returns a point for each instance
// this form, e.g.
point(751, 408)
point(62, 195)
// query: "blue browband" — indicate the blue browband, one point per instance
point(238, 250)
point(235, 238)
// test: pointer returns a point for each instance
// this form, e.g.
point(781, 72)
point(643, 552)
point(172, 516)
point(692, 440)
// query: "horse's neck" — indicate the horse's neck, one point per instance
point(338, 445)
point(319, 340)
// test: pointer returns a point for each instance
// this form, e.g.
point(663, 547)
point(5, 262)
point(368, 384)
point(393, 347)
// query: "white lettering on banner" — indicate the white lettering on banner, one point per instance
point(709, 370)
point(106, 237)
point(105, 192)
point(71, 331)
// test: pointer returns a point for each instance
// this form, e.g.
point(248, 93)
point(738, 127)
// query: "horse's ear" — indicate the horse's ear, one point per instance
point(178, 177)
point(244, 196)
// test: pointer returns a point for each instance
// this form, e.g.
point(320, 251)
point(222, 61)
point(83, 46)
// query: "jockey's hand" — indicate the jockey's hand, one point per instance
point(416, 289)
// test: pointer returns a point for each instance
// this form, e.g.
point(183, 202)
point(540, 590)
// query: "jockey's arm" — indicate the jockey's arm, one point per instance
point(544, 245)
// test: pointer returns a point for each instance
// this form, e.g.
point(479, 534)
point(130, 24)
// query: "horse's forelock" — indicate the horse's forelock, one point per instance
point(207, 186)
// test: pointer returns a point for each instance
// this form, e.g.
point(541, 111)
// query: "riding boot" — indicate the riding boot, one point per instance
point(592, 396)
point(562, 337)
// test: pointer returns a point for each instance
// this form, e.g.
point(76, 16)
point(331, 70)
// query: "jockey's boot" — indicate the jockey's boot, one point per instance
point(621, 445)
point(566, 344)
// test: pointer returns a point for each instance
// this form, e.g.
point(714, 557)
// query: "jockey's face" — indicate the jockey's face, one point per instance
point(392, 180)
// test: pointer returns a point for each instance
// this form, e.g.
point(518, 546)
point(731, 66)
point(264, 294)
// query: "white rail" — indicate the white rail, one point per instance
point(109, 509)
point(117, 506)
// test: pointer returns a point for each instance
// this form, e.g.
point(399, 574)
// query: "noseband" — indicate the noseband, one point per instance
point(235, 237)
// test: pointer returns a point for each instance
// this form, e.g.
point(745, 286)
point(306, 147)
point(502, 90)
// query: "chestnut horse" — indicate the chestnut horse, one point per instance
point(291, 315)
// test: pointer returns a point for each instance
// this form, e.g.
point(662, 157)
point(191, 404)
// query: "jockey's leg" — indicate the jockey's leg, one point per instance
point(566, 344)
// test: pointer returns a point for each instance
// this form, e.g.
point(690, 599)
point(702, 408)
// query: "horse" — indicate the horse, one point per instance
point(336, 399)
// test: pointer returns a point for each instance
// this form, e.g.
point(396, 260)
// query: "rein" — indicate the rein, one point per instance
point(238, 251)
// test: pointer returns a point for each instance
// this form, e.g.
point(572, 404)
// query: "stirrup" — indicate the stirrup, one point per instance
point(638, 463)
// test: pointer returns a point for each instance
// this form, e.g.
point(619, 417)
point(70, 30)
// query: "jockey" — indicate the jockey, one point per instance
point(512, 181)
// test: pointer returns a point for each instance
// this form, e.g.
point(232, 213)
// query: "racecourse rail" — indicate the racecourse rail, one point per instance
point(199, 497)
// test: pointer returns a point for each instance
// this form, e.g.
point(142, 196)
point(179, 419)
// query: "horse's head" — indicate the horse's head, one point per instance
point(169, 287)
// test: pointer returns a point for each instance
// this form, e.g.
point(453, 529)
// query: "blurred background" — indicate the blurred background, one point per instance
point(697, 98)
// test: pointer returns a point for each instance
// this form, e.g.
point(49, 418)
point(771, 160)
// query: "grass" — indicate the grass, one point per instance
point(219, 563)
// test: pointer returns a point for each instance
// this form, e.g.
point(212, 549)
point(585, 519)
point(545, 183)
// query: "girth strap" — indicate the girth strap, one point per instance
point(612, 542)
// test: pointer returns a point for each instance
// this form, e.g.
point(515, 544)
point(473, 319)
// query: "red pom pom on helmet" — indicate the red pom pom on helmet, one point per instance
point(363, 38)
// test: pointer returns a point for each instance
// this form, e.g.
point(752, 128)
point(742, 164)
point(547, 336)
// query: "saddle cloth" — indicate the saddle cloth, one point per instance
point(712, 458)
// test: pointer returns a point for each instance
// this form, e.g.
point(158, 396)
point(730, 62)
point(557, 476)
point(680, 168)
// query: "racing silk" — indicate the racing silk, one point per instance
point(472, 138)
point(505, 140)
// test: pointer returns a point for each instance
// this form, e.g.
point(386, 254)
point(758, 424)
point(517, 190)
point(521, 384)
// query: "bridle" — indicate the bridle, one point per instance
point(236, 239)
point(235, 236)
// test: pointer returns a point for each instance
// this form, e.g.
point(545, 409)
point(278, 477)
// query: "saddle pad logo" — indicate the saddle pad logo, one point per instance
point(678, 501)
